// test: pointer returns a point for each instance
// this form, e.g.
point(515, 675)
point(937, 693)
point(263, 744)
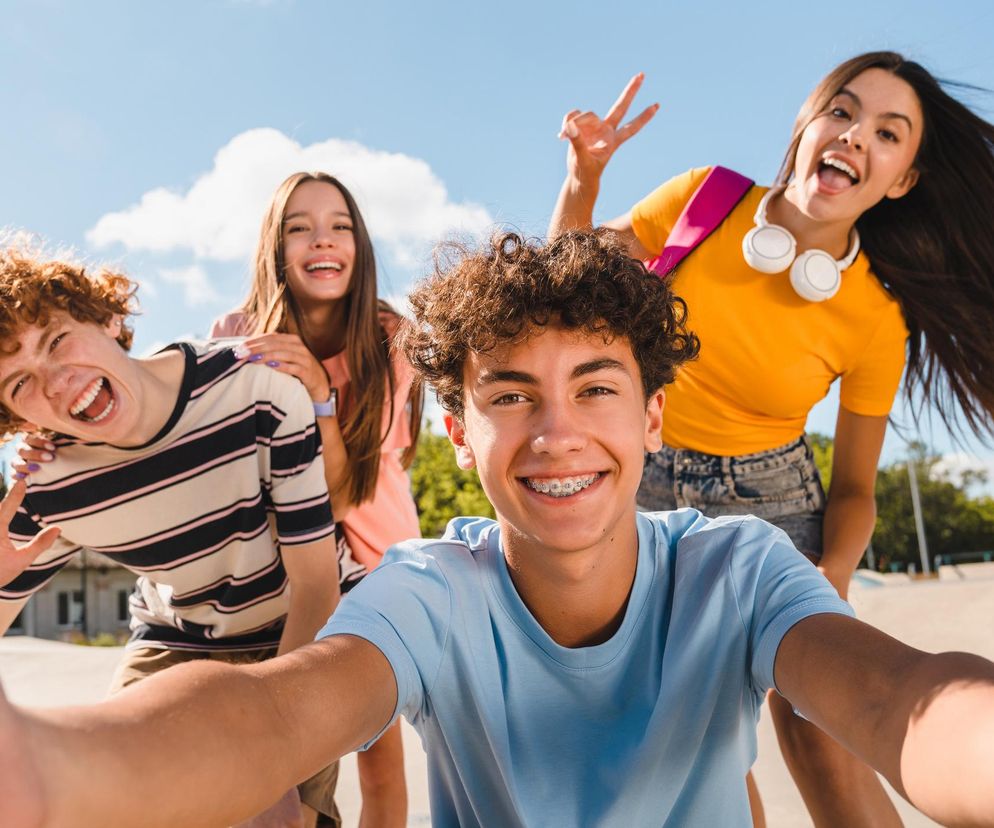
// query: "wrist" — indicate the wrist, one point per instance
point(329, 407)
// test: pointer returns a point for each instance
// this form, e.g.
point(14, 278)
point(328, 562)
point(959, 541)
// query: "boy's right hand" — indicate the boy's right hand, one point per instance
point(15, 559)
point(593, 140)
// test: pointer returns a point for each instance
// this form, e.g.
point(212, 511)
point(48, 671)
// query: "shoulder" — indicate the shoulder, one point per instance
point(230, 324)
point(222, 376)
point(695, 539)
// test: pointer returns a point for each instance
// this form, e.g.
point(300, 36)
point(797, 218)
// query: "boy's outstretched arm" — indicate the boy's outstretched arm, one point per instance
point(925, 721)
point(201, 744)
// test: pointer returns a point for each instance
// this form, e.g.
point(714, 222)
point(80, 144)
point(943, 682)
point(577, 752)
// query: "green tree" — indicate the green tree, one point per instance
point(823, 447)
point(955, 523)
point(441, 489)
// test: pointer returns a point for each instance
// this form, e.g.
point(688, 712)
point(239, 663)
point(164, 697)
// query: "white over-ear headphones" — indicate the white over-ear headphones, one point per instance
point(770, 248)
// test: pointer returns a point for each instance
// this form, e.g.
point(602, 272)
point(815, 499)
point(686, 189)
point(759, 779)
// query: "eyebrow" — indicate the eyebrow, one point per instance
point(300, 213)
point(888, 115)
point(581, 370)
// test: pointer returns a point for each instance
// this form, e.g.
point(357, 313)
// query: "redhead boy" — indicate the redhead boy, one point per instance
point(571, 663)
point(196, 470)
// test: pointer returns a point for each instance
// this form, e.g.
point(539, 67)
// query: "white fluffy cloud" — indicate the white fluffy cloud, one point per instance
point(406, 205)
point(197, 289)
point(955, 465)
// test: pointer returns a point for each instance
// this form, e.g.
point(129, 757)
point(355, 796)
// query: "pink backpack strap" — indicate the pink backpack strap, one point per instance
point(708, 207)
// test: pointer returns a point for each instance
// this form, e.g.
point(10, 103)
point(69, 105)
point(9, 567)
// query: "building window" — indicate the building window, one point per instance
point(71, 609)
point(123, 613)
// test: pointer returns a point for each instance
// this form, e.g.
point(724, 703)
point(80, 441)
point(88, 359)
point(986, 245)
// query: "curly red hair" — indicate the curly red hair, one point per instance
point(33, 288)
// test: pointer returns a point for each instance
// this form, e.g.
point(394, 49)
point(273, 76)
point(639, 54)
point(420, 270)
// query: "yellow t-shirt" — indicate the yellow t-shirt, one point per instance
point(767, 355)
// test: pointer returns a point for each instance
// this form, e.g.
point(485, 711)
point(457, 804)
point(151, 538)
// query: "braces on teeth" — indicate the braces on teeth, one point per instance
point(562, 488)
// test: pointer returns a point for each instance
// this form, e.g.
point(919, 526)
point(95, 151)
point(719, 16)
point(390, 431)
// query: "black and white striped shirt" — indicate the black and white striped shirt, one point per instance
point(202, 512)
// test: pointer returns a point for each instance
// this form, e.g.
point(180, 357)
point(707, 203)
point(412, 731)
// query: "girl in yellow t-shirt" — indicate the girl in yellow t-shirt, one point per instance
point(890, 181)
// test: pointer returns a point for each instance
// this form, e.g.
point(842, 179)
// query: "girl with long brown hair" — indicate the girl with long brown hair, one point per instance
point(887, 186)
point(313, 312)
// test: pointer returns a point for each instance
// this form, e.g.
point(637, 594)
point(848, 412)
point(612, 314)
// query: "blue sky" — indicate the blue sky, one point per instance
point(150, 134)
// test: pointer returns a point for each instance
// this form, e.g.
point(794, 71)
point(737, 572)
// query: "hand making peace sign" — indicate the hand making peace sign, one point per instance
point(593, 139)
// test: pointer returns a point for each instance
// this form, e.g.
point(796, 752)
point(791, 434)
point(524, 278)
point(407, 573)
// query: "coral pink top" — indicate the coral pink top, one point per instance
point(390, 515)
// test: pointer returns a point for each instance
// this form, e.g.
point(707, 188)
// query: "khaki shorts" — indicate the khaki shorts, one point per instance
point(318, 792)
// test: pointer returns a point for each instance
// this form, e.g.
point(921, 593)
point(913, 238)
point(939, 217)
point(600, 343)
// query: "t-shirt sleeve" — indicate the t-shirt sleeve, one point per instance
point(654, 216)
point(869, 387)
point(777, 587)
point(297, 485)
point(22, 529)
point(231, 324)
point(403, 608)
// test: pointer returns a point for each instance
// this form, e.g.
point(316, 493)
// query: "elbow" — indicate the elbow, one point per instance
point(947, 756)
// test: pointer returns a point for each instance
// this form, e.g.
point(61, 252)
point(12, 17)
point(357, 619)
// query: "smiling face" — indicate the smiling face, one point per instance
point(74, 378)
point(557, 426)
point(860, 150)
point(318, 243)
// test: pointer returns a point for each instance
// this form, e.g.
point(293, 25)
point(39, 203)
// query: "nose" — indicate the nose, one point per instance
point(55, 379)
point(853, 136)
point(323, 237)
point(557, 431)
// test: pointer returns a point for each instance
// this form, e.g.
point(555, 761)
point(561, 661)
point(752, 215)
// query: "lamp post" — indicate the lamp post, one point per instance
point(919, 522)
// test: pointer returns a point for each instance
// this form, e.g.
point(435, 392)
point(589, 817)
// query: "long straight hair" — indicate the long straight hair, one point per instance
point(933, 248)
point(271, 307)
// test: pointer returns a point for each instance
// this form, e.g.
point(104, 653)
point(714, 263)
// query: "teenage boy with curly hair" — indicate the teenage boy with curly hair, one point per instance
point(196, 470)
point(571, 663)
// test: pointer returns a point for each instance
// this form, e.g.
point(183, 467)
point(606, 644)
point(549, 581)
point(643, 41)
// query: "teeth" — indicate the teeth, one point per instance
point(104, 413)
point(87, 397)
point(562, 486)
point(323, 266)
point(839, 164)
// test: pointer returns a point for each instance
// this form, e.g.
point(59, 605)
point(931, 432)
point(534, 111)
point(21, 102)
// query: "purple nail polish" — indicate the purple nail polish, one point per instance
point(272, 363)
point(33, 467)
point(255, 357)
point(19, 475)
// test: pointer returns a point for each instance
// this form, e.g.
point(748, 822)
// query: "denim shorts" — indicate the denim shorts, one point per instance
point(780, 485)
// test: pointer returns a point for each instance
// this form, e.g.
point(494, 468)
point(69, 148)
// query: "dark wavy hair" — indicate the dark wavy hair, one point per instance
point(32, 288)
point(479, 300)
point(933, 249)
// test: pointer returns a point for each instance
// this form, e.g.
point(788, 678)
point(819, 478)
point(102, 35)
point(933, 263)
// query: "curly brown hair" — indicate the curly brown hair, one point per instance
point(480, 300)
point(33, 288)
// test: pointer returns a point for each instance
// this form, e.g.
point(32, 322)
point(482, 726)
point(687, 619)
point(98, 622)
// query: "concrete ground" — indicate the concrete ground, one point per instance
point(955, 612)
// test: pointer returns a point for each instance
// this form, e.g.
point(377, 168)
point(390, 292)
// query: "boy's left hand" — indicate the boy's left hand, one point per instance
point(15, 559)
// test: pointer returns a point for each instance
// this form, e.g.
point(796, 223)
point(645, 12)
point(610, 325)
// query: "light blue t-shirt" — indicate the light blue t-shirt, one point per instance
point(656, 726)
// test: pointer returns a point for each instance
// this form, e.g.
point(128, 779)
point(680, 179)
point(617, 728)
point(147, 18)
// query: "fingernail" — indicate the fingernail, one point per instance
point(19, 475)
point(255, 357)
point(50, 446)
point(33, 467)
point(272, 363)
point(240, 351)
point(47, 455)
point(571, 130)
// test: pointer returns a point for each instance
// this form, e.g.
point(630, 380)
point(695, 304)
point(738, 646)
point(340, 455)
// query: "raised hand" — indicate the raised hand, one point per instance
point(15, 559)
point(287, 353)
point(593, 140)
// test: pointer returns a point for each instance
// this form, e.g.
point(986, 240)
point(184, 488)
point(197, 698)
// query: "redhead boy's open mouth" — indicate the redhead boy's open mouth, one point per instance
point(95, 403)
point(561, 486)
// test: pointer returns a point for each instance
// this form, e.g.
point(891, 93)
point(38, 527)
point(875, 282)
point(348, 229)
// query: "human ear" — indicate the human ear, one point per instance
point(456, 430)
point(113, 327)
point(903, 185)
point(654, 421)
